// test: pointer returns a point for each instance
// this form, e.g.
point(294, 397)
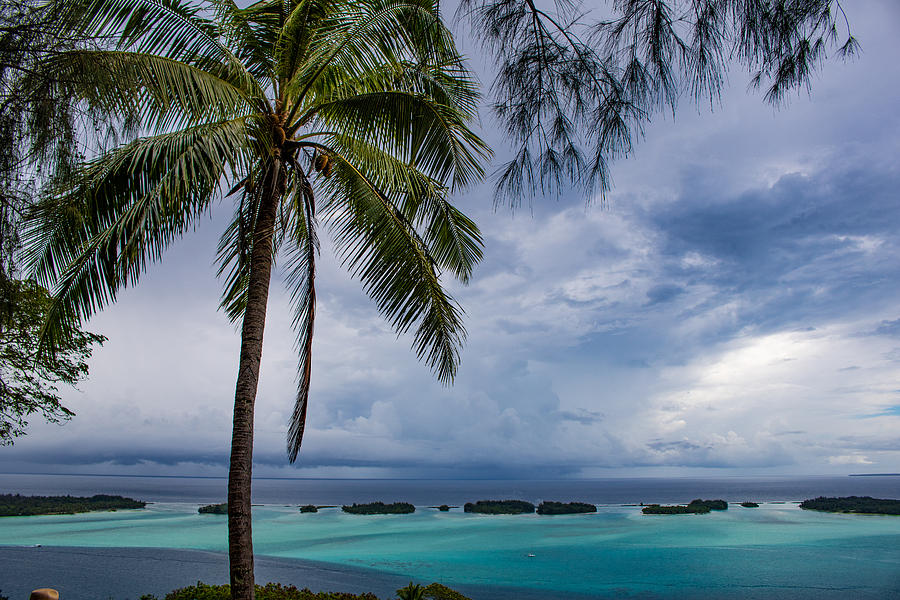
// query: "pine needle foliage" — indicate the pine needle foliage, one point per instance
point(37, 138)
point(576, 84)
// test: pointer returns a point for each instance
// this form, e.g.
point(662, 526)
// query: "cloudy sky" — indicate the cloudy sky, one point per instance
point(733, 309)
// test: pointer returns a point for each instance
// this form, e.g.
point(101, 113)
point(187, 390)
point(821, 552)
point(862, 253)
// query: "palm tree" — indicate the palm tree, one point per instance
point(349, 112)
point(413, 591)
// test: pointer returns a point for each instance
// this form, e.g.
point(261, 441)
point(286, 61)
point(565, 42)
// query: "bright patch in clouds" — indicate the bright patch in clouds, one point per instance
point(849, 459)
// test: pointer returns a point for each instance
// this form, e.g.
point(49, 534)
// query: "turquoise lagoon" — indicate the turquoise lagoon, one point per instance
point(774, 551)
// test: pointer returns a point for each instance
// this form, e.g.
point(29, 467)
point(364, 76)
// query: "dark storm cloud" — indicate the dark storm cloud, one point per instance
point(676, 445)
point(810, 247)
point(55, 455)
point(582, 416)
point(663, 293)
point(891, 328)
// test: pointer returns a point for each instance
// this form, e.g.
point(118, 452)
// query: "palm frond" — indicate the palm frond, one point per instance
point(295, 35)
point(380, 247)
point(453, 240)
point(164, 93)
point(358, 37)
point(301, 276)
point(236, 243)
point(174, 29)
point(232, 25)
point(432, 137)
point(259, 25)
point(99, 233)
point(233, 253)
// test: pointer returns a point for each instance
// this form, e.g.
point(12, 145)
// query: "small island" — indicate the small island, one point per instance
point(379, 508)
point(443, 508)
point(695, 507)
point(712, 504)
point(499, 507)
point(214, 509)
point(309, 508)
point(750, 504)
point(15, 505)
point(862, 505)
point(565, 508)
point(678, 509)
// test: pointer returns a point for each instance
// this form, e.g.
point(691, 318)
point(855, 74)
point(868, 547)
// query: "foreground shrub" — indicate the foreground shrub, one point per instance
point(276, 591)
point(437, 591)
point(413, 591)
point(270, 591)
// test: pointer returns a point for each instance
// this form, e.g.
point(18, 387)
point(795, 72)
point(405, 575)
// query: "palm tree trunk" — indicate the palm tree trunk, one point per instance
point(240, 537)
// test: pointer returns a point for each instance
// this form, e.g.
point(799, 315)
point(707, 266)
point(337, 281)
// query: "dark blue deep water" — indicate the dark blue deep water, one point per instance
point(421, 492)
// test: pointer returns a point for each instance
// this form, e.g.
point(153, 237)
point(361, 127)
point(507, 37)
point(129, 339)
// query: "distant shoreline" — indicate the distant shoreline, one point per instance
point(202, 491)
point(620, 478)
point(646, 508)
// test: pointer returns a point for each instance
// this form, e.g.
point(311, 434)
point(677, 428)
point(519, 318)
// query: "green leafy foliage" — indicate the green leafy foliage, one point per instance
point(750, 504)
point(854, 504)
point(214, 509)
point(16, 505)
point(309, 508)
point(438, 591)
point(379, 508)
point(29, 379)
point(565, 508)
point(499, 507)
point(275, 591)
point(413, 591)
point(270, 591)
point(711, 504)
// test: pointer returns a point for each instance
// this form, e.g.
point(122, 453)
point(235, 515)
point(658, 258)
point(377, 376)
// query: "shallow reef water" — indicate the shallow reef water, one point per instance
point(774, 551)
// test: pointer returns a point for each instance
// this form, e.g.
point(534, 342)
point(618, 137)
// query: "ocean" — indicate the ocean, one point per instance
point(775, 551)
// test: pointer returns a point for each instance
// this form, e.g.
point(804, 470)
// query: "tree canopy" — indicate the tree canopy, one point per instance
point(16, 505)
point(37, 139)
point(351, 116)
point(29, 380)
